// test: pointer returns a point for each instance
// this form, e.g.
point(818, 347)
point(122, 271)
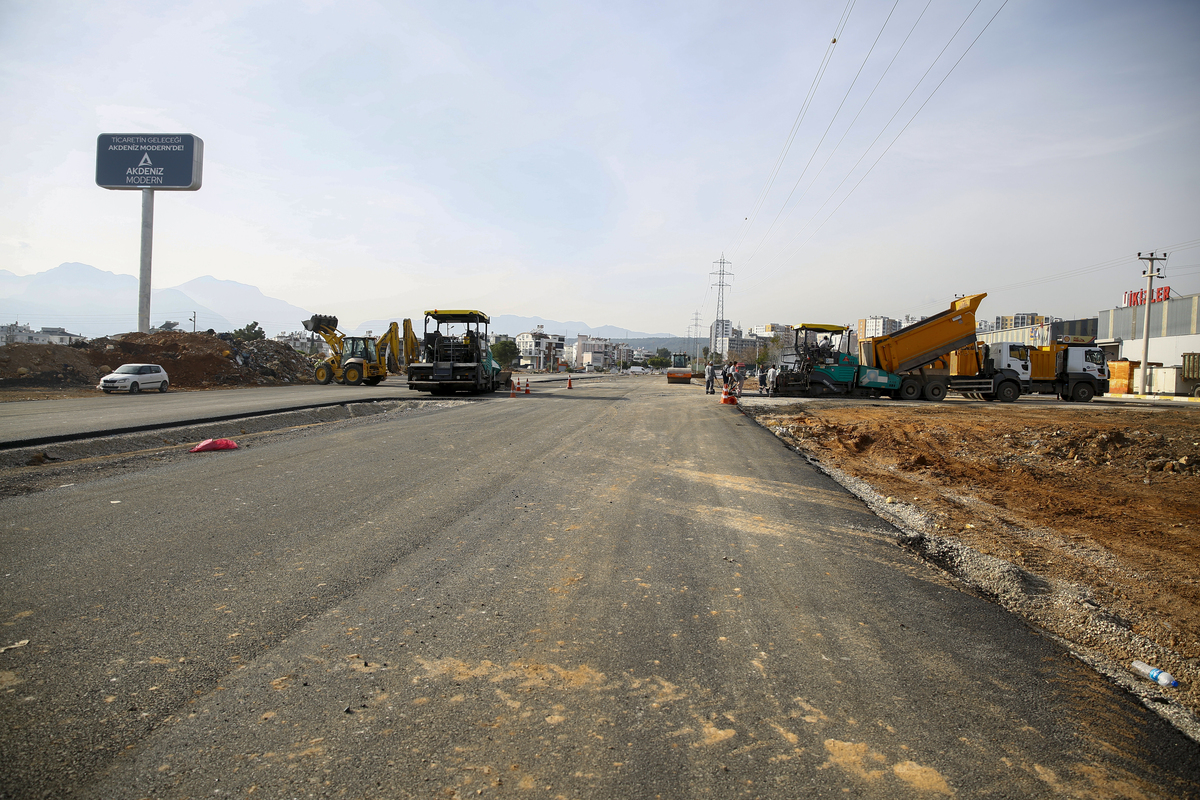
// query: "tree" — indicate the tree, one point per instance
point(659, 362)
point(504, 351)
point(249, 333)
point(663, 352)
point(705, 351)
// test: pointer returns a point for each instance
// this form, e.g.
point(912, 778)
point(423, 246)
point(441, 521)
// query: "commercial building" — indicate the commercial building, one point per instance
point(1174, 327)
point(1042, 334)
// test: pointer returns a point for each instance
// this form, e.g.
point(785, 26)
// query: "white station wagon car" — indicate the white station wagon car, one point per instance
point(133, 378)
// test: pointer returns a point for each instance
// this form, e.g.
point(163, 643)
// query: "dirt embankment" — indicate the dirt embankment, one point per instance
point(1097, 507)
point(192, 360)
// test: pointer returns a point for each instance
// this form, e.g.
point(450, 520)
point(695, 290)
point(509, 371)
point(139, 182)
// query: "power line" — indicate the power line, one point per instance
point(832, 119)
point(861, 108)
point(787, 145)
point(898, 135)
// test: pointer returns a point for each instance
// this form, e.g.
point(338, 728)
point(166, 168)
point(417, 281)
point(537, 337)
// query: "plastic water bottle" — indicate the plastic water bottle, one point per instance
point(1159, 676)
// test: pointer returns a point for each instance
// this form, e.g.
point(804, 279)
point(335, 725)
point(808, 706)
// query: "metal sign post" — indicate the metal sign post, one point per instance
point(149, 162)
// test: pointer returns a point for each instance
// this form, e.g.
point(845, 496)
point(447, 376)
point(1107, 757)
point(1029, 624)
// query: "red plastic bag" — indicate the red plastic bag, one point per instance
point(214, 444)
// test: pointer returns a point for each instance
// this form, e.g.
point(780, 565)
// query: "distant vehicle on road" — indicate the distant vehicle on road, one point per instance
point(680, 370)
point(638, 371)
point(133, 378)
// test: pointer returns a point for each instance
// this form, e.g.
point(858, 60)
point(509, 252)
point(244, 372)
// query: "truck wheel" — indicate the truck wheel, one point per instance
point(353, 375)
point(909, 390)
point(1083, 392)
point(1196, 392)
point(1008, 392)
point(935, 391)
point(323, 374)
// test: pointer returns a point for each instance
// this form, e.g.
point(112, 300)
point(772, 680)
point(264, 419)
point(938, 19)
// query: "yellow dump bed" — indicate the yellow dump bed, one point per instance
point(1042, 362)
point(925, 341)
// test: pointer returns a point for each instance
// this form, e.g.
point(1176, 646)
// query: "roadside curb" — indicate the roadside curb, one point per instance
point(1153, 397)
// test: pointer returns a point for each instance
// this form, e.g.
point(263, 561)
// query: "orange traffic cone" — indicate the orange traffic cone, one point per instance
point(512, 388)
point(527, 386)
point(568, 381)
point(727, 398)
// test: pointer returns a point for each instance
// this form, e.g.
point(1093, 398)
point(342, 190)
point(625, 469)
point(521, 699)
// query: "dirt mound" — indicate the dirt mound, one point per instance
point(45, 365)
point(192, 360)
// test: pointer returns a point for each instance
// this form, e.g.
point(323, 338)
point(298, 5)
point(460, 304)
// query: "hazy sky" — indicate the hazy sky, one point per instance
point(591, 161)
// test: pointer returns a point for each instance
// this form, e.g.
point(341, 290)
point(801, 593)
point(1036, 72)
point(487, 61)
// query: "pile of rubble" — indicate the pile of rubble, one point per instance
point(192, 360)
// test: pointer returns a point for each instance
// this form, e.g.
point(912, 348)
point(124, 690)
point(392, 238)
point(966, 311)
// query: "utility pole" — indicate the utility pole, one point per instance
point(1151, 272)
point(696, 328)
point(722, 272)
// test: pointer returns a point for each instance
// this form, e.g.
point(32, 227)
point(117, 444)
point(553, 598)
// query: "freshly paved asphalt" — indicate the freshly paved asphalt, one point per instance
point(41, 422)
point(621, 590)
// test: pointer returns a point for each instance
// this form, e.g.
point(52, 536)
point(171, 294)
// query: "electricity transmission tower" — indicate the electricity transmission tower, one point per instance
point(722, 272)
point(694, 334)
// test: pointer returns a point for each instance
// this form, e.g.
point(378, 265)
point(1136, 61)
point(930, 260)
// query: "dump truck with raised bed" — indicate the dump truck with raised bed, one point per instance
point(356, 360)
point(917, 352)
point(908, 364)
point(680, 370)
point(453, 361)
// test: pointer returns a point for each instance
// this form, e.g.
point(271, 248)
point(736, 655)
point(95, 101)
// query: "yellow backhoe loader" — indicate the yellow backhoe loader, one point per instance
point(362, 359)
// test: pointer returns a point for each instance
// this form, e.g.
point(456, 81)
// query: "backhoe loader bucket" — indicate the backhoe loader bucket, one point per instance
point(321, 323)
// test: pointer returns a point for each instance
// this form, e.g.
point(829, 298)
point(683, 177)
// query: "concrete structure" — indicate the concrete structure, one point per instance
point(1042, 334)
point(877, 326)
point(719, 334)
point(1174, 330)
point(593, 353)
point(304, 342)
point(540, 350)
point(768, 330)
point(24, 334)
point(1028, 320)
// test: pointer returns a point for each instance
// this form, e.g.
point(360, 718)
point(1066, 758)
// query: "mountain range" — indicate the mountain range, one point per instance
point(93, 302)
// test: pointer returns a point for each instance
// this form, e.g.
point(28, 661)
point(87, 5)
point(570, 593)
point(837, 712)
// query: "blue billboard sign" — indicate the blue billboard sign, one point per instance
point(159, 161)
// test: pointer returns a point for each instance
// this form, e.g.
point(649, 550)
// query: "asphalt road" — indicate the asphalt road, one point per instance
point(621, 590)
point(41, 422)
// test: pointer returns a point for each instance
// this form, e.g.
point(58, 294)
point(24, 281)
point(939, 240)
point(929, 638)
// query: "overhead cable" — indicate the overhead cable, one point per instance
point(787, 145)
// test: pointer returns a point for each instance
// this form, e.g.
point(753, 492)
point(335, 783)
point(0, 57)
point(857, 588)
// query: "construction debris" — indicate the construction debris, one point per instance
point(193, 360)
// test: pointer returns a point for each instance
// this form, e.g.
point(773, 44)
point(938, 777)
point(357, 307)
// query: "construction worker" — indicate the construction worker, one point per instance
point(772, 374)
point(709, 378)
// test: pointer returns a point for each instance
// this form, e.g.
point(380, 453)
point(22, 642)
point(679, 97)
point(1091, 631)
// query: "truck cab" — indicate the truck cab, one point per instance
point(1082, 372)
